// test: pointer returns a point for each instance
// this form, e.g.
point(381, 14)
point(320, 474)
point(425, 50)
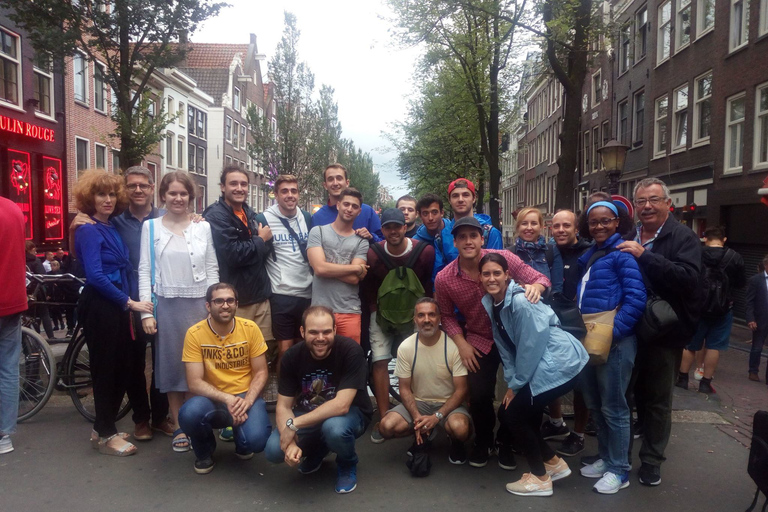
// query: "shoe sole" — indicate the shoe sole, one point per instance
point(592, 475)
point(6, 450)
point(377, 440)
point(244, 456)
point(204, 471)
point(532, 493)
point(612, 491)
point(478, 464)
point(649, 484)
point(457, 462)
point(559, 476)
point(569, 454)
point(346, 491)
point(507, 467)
point(312, 470)
point(557, 436)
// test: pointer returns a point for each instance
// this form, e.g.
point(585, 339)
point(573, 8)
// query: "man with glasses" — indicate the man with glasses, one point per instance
point(227, 371)
point(669, 255)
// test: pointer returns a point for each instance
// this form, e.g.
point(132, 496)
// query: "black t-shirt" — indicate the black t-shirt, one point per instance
point(315, 382)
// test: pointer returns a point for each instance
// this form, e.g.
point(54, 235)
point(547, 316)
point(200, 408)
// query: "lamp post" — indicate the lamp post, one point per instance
point(613, 154)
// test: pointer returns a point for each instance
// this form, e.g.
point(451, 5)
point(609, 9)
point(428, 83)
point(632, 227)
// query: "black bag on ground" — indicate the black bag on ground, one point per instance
point(757, 467)
point(418, 462)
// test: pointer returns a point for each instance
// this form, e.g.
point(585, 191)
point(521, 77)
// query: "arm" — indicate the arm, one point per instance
point(322, 268)
point(198, 386)
point(633, 295)
point(236, 252)
point(283, 411)
point(338, 406)
point(407, 399)
point(749, 312)
point(675, 277)
point(145, 270)
point(79, 220)
point(525, 274)
point(88, 241)
point(211, 262)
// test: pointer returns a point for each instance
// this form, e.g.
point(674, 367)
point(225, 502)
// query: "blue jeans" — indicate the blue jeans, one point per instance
point(10, 351)
point(604, 389)
point(335, 434)
point(200, 415)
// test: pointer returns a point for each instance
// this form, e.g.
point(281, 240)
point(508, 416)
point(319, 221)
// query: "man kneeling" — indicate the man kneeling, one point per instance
point(227, 370)
point(322, 402)
point(433, 385)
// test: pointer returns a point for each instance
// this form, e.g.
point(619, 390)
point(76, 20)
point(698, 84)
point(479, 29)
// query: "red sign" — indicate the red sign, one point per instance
point(53, 205)
point(21, 186)
point(626, 202)
point(764, 192)
point(8, 124)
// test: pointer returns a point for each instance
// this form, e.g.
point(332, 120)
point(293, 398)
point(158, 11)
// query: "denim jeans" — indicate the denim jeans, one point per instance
point(605, 388)
point(10, 351)
point(335, 434)
point(200, 415)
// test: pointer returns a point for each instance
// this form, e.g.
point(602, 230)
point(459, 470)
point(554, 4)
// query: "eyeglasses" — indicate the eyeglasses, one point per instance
point(655, 201)
point(603, 222)
point(220, 302)
point(135, 186)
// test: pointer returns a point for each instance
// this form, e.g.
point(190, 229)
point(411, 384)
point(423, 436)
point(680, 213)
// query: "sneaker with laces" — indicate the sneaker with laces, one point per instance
point(698, 373)
point(531, 485)
point(376, 437)
point(589, 459)
point(596, 470)
point(227, 435)
point(458, 453)
point(611, 483)
point(346, 479)
point(558, 471)
point(479, 456)
point(6, 446)
point(573, 445)
point(551, 431)
point(705, 386)
point(649, 474)
point(506, 457)
point(204, 466)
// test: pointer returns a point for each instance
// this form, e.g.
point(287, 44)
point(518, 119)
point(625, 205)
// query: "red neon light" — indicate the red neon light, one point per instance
point(21, 191)
point(8, 124)
point(53, 206)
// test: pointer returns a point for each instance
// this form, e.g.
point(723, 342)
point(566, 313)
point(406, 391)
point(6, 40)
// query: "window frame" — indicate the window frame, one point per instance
point(744, 26)
point(169, 143)
point(663, 28)
point(15, 61)
point(587, 151)
point(84, 78)
point(39, 72)
point(103, 69)
point(228, 129)
point(191, 157)
point(700, 10)
point(87, 154)
point(595, 147)
point(96, 148)
point(681, 7)
point(679, 112)
point(625, 48)
point(236, 135)
point(696, 138)
point(181, 112)
point(641, 35)
point(728, 142)
point(761, 131)
point(597, 92)
point(180, 153)
point(762, 24)
point(657, 123)
point(623, 132)
point(236, 97)
point(637, 134)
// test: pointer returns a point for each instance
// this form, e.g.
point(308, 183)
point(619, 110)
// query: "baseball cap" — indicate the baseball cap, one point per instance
point(470, 185)
point(392, 216)
point(466, 221)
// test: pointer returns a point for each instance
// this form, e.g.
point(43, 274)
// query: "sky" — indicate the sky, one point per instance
point(347, 46)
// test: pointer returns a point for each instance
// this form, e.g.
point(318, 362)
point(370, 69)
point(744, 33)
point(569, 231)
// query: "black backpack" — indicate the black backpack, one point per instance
point(757, 467)
point(716, 287)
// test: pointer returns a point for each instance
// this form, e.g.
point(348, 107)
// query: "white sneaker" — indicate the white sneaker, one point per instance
point(557, 471)
point(611, 483)
point(595, 470)
point(698, 373)
point(6, 446)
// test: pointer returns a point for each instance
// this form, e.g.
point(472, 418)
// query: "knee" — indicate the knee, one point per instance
point(457, 426)
point(191, 412)
point(272, 451)
point(336, 429)
point(392, 425)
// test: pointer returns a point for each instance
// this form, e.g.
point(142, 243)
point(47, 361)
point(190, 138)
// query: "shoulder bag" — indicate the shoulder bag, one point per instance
point(152, 266)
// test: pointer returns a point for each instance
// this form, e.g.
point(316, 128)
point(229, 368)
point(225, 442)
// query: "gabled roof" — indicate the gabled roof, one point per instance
point(213, 55)
point(213, 81)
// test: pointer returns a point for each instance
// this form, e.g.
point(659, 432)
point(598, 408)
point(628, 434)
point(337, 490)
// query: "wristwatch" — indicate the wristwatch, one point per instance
point(290, 425)
point(439, 415)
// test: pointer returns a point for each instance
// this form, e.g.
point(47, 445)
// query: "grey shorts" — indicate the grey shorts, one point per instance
point(427, 409)
point(384, 346)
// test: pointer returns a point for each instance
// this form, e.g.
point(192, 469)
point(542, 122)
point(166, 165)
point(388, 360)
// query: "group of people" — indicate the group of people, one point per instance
point(216, 295)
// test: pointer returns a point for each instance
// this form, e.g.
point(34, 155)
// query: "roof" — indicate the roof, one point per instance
point(213, 55)
point(213, 81)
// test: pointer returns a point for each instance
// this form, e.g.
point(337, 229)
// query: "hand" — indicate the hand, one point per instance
point(265, 232)
point(508, 397)
point(425, 424)
point(752, 325)
point(533, 292)
point(469, 356)
point(364, 233)
point(633, 248)
point(363, 272)
point(80, 219)
point(287, 438)
point(292, 455)
point(140, 306)
point(149, 325)
point(238, 408)
point(195, 217)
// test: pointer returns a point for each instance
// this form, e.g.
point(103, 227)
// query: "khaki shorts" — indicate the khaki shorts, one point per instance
point(428, 409)
point(383, 346)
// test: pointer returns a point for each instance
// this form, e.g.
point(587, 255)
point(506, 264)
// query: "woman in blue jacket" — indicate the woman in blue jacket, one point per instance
point(611, 279)
point(541, 362)
point(531, 247)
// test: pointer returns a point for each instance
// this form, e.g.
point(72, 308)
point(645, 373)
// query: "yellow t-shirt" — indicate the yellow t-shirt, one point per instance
point(433, 381)
point(227, 360)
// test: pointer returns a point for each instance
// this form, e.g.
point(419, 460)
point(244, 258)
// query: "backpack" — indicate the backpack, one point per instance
point(757, 467)
point(398, 292)
point(486, 234)
point(716, 287)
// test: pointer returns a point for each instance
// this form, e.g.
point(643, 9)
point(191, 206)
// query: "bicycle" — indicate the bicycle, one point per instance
point(39, 373)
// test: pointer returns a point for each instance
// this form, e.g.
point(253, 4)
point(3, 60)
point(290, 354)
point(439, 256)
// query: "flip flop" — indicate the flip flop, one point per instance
point(180, 444)
point(126, 450)
point(95, 441)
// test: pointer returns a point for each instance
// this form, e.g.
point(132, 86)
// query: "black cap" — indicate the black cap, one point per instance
point(466, 221)
point(392, 216)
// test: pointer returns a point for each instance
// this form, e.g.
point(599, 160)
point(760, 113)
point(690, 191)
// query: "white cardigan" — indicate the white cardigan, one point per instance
point(205, 266)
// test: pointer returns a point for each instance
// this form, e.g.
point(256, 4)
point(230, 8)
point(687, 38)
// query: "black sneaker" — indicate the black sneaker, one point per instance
point(204, 466)
point(479, 456)
point(706, 387)
point(588, 460)
point(649, 475)
point(506, 458)
point(682, 381)
point(573, 445)
point(550, 431)
point(637, 428)
point(591, 428)
point(458, 454)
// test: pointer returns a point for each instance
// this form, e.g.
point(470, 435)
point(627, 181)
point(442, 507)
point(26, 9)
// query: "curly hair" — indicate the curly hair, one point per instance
point(93, 181)
point(625, 221)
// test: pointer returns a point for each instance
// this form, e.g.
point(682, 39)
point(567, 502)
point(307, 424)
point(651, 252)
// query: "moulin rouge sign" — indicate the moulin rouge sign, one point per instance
point(8, 124)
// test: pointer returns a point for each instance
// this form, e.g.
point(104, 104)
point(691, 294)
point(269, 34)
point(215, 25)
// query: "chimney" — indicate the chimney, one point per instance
point(253, 39)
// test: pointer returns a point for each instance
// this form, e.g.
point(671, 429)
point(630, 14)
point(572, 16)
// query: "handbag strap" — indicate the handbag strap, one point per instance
point(152, 252)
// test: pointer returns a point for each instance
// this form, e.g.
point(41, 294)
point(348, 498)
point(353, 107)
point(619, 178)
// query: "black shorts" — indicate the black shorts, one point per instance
point(286, 315)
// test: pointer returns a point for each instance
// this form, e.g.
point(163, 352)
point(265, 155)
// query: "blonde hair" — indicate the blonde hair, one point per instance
point(93, 181)
point(525, 212)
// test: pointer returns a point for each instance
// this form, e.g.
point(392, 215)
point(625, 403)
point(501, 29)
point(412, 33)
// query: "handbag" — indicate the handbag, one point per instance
point(568, 313)
point(152, 266)
point(599, 335)
point(658, 319)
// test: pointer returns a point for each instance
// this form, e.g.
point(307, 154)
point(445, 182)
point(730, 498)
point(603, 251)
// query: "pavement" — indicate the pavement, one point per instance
point(54, 466)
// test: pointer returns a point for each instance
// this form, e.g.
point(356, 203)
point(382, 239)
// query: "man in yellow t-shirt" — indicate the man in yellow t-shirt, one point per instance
point(226, 370)
point(433, 385)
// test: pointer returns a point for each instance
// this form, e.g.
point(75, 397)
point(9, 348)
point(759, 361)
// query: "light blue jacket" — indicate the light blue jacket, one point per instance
point(544, 355)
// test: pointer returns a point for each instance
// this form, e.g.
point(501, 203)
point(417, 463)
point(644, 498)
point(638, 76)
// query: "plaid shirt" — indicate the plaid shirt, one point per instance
point(455, 290)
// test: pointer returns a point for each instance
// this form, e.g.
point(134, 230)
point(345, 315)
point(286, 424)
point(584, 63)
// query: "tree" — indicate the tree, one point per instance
point(132, 38)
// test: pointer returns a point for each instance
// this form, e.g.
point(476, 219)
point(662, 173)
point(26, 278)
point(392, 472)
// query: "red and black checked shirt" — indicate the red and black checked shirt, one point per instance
point(455, 290)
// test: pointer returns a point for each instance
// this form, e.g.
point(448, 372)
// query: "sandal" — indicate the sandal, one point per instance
point(95, 438)
point(180, 441)
point(125, 450)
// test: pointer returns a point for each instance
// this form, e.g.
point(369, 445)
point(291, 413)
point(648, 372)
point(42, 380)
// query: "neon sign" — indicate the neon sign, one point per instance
point(53, 206)
point(21, 191)
point(26, 129)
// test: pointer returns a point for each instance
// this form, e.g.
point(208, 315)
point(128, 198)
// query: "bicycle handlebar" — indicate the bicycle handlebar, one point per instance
point(54, 278)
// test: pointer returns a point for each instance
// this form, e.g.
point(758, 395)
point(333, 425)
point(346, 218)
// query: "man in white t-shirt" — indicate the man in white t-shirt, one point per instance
point(433, 385)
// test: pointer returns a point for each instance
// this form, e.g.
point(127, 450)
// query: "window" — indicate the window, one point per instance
point(624, 122)
point(236, 136)
point(763, 26)
point(81, 154)
point(10, 68)
point(664, 39)
point(191, 120)
point(228, 130)
point(171, 106)
point(734, 134)
point(81, 77)
point(101, 156)
point(169, 149)
point(702, 111)
point(191, 158)
point(182, 114)
point(680, 119)
point(761, 126)
point(638, 123)
point(99, 88)
point(641, 33)
point(683, 24)
point(242, 137)
point(180, 152)
point(200, 155)
point(201, 124)
point(606, 132)
point(595, 146)
point(115, 160)
point(705, 16)
point(739, 24)
point(597, 89)
point(43, 89)
point(624, 49)
point(151, 110)
point(660, 127)
point(236, 100)
point(587, 153)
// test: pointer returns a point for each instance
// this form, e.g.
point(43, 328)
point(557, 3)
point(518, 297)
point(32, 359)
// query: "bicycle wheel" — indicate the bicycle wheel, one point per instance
point(37, 374)
point(80, 384)
point(394, 382)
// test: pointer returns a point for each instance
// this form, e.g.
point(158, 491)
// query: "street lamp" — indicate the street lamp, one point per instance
point(613, 155)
